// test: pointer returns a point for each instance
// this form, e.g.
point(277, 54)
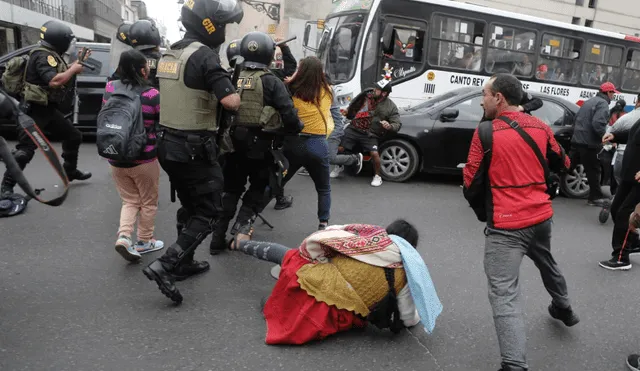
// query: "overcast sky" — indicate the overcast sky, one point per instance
point(167, 11)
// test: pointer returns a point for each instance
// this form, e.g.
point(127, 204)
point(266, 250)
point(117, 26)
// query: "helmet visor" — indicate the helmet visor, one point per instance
point(226, 11)
point(117, 48)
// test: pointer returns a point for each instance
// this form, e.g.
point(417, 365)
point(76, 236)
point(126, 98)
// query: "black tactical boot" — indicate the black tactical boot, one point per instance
point(218, 242)
point(6, 189)
point(77, 174)
point(283, 202)
point(160, 271)
point(189, 267)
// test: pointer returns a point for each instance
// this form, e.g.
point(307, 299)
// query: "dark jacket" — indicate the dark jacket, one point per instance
point(385, 110)
point(591, 122)
point(631, 158)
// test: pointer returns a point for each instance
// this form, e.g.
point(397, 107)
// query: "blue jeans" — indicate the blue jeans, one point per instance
point(312, 152)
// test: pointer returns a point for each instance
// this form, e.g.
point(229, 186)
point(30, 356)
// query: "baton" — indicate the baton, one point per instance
point(286, 41)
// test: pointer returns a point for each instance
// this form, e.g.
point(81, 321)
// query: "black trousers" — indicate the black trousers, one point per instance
point(588, 157)
point(237, 169)
point(198, 184)
point(47, 118)
point(624, 202)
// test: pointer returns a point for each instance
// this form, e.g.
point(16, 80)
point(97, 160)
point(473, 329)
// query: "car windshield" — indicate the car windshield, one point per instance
point(340, 44)
point(438, 99)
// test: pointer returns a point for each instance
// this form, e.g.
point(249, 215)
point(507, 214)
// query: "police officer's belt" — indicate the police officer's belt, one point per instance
point(185, 134)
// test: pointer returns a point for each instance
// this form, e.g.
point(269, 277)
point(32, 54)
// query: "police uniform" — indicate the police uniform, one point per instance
point(192, 83)
point(41, 103)
point(266, 107)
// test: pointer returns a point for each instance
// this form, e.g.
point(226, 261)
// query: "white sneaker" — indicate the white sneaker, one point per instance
point(336, 171)
point(377, 181)
point(149, 246)
point(360, 163)
point(303, 171)
point(125, 248)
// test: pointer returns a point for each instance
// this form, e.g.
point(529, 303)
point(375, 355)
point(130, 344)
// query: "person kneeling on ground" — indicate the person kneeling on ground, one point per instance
point(341, 278)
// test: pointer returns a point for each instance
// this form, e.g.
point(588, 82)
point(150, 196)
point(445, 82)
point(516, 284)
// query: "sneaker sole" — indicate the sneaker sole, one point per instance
point(631, 367)
point(122, 250)
point(623, 268)
point(152, 276)
point(361, 158)
point(142, 252)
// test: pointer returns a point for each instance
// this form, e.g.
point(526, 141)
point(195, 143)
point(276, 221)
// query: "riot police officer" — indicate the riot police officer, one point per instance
point(266, 113)
point(233, 52)
point(289, 61)
point(120, 43)
point(145, 37)
point(45, 84)
point(193, 83)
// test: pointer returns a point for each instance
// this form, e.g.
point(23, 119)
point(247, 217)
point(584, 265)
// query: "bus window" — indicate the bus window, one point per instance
point(407, 57)
point(559, 58)
point(456, 43)
point(602, 64)
point(511, 50)
point(632, 72)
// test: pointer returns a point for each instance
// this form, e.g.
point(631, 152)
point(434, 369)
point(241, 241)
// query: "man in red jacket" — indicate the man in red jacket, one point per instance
point(505, 184)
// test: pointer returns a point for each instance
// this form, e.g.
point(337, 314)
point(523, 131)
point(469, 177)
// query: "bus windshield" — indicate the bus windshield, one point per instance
point(340, 45)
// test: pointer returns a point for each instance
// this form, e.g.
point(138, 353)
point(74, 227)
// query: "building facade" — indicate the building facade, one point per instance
point(610, 15)
point(129, 12)
point(20, 21)
point(102, 16)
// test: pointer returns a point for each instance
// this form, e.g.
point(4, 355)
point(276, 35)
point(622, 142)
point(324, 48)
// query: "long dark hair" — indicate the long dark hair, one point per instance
point(310, 81)
point(131, 62)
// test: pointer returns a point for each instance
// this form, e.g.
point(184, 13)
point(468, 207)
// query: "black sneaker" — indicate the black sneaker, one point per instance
point(567, 316)
point(601, 202)
point(283, 202)
point(633, 361)
point(615, 265)
point(78, 175)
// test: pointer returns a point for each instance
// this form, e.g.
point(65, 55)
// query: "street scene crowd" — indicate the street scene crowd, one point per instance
point(230, 138)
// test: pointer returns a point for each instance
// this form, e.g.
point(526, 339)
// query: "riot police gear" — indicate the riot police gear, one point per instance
point(233, 52)
point(144, 35)
point(257, 49)
point(207, 19)
point(56, 35)
point(120, 43)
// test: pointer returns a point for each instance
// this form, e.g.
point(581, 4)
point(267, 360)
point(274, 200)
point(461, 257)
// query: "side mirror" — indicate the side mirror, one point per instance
point(307, 32)
point(449, 114)
point(387, 39)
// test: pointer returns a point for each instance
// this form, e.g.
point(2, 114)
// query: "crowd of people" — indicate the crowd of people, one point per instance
point(215, 130)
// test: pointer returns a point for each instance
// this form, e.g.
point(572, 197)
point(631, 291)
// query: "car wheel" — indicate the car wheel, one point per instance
point(399, 160)
point(574, 183)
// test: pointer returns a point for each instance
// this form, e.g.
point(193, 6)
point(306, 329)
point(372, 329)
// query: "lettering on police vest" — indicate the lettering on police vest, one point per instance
point(245, 83)
point(466, 80)
point(554, 90)
point(208, 25)
point(586, 94)
point(152, 63)
point(168, 70)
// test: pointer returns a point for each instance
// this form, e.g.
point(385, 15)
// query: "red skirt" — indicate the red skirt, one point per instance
point(294, 317)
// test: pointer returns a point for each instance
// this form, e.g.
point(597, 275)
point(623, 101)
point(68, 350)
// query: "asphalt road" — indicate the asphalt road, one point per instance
point(68, 301)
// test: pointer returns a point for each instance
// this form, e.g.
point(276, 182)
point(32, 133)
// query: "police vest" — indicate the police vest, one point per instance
point(253, 112)
point(152, 60)
point(183, 108)
point(44, 95)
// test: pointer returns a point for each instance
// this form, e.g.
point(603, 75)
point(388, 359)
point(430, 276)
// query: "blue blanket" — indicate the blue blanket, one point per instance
point(421, 286)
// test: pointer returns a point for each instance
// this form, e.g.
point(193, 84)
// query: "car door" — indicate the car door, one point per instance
point(559, 118)
point(454, 127)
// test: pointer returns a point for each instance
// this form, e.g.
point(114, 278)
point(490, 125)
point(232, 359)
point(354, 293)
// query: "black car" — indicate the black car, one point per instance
point(91, 85)
point(436, 135)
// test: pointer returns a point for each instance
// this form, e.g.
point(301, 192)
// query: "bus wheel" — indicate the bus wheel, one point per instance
point(574, 184)
point(400, 160)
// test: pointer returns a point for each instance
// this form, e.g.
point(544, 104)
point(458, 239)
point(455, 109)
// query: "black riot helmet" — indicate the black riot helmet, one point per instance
point(207, 19)
point(257, 49)
point(123, 33)
point(57, 36)
point(233, 51)
point(144, 35)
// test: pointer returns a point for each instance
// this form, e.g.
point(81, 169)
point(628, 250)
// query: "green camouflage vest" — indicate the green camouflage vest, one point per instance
point(182, 108)
point(252, 110)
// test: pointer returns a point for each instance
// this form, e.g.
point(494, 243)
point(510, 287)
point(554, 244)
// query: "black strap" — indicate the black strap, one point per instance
point(527, 138)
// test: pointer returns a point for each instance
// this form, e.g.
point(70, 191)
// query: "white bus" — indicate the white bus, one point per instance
point(435, 46)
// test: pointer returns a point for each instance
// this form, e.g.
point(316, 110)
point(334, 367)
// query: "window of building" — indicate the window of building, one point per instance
point(593, 4)
point(601, 64)
point(7, 40)
point(559, 58)
point(456, 43)
point(575, 20)
point(511, 50)
point(632, 71)
point(580, 2)
point(588, 22)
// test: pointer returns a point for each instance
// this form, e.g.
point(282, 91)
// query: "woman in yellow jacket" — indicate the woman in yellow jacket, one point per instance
point(312, 96)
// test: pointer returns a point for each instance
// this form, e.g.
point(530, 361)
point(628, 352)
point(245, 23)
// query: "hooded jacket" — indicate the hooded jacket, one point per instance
point(591, 122)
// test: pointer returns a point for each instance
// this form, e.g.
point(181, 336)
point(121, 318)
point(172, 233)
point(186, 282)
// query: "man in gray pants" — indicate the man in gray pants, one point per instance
point(517, 209)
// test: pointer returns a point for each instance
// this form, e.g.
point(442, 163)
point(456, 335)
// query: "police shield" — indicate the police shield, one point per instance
point(119, 44)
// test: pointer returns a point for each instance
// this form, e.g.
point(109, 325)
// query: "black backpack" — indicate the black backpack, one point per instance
point(121, 135)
